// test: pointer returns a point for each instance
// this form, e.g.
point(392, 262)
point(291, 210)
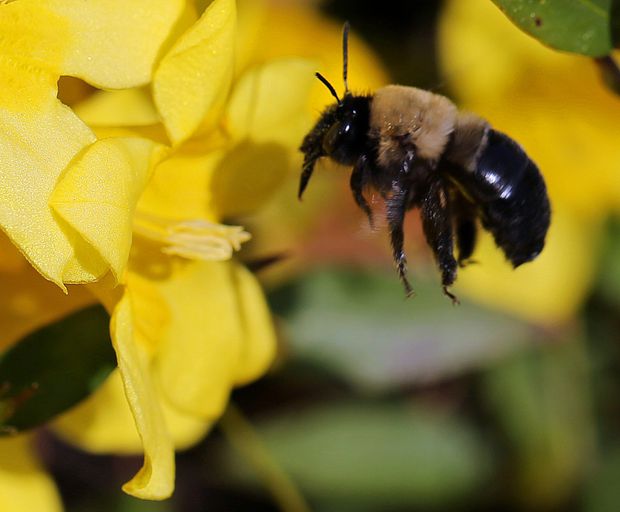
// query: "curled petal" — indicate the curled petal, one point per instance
point(24, 485)
point(155, 480)
point(36, 145)
point(103, 423)
point(99, 191)
point(192, 80)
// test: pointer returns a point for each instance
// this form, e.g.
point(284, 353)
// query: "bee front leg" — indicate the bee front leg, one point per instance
point(360, 177)
point(436, 223)
point(310, 159)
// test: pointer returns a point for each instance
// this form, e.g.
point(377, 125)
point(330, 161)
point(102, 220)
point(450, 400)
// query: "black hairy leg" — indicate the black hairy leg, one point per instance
point(397, 204)
point(310, 159)
point(437, 226)
point(312, 146)
point(464, 219)
point(360, 179)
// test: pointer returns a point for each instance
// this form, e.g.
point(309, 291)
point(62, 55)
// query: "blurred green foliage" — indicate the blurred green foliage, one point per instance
point(361, 326)
point(53, 369)
point(377, 456)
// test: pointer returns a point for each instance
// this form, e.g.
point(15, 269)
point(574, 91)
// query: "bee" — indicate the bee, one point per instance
point(418, 151)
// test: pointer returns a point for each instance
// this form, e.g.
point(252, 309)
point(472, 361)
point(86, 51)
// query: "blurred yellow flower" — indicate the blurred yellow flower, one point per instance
point(24, 484)
point(556, 106)
point(286, 30)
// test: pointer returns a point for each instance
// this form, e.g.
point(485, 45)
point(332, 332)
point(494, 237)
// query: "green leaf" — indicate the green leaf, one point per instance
point(577, 26)
point(377, 457)
point(360, 326)
point(53, 369)
point(542, 399)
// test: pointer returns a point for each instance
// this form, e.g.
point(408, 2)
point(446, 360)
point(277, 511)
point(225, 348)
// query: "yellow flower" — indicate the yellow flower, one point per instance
point(145, 198)
point(24, 485)
point(189, 323)
point(556, 106)
point(42, 140)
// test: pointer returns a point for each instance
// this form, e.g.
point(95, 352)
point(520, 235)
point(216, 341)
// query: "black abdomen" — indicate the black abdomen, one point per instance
point(512, 196)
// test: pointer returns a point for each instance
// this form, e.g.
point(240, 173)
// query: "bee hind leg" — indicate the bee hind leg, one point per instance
point(437, 226)
point(464, 217)
point(397, 205)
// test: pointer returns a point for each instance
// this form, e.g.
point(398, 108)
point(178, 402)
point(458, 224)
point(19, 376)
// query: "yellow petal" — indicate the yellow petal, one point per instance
point(247, 177)
point(36, 145)
point(548, 290)
point(219, 334)
point(155, 480)
point(270, 102)
point(192, 80)
point(114, 43)
point(199, 344)
point(259, 338)
point(181, 185)
point(98, 194)
point(24, 485)
point(103, 423)
point(251, 16)
point(33, 45)
point(128, 107)
point(28, 301)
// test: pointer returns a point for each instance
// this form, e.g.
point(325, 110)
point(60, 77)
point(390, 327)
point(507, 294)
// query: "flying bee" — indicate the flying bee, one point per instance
point(418, 151)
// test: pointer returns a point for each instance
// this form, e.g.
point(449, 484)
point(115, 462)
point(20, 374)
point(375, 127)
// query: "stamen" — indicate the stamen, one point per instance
point(195, 239)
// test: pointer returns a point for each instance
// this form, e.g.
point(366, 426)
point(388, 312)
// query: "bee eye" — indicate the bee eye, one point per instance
point(331, 139)
point(341, 134)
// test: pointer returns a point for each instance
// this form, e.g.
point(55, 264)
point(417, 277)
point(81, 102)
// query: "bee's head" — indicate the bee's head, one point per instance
point(341, 131)
point(346, 127)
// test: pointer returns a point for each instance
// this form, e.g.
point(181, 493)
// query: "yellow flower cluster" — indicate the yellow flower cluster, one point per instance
point(127, 193)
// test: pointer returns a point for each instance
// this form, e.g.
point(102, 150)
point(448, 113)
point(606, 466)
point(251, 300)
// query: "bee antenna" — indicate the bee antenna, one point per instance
point(328, 85)
point(345, 55)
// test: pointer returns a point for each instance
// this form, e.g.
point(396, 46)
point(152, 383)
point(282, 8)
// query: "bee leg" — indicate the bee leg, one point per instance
point(437, 226)
point(359, 179)
point(396, 206)
point(310, 159)
point(464, 220)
